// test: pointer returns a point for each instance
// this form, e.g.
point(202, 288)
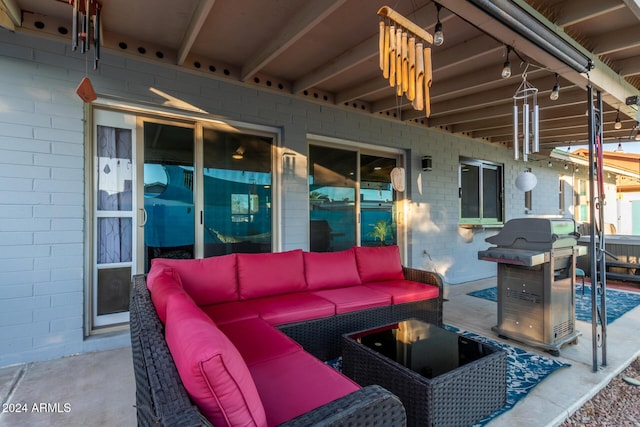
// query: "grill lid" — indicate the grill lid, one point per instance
point(536, 234)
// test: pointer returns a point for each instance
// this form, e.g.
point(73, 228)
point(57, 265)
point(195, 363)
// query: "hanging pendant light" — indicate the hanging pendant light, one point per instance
point(506, 67)
point(618, 124)
point(555, 93)
point(438, 36)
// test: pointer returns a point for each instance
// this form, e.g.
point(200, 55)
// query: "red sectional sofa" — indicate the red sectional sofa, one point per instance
point(243, 336)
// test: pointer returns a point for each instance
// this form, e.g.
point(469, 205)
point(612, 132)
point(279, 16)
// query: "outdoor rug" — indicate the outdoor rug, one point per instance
point(618, 302)
point(524, 370)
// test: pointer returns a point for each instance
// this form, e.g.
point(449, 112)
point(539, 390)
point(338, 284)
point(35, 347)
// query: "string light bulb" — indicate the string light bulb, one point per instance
point(618, 123)
point(555, 93)
point(506, 68)
point(438, 35)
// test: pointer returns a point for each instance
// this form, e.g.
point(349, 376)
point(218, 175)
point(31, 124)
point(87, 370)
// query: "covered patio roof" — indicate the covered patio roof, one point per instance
point(327, 51)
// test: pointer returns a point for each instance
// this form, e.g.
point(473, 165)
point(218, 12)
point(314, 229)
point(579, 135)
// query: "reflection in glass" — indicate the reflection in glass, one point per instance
point(378, 225)
point(470, 198)
point(332, 193)
point(168, 200)
point(237, 193)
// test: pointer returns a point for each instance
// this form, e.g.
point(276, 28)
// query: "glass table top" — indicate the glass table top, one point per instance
point(423, 347)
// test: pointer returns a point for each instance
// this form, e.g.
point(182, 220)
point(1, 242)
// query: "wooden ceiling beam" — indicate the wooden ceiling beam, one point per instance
point(310, 15)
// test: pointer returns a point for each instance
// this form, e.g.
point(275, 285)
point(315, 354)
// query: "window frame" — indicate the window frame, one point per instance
point(481, 220)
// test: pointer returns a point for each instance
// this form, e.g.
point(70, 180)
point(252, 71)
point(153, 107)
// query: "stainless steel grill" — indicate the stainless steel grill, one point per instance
point(536, 260)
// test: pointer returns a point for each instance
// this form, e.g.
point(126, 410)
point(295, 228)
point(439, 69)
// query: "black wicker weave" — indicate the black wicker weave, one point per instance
point(161, 399)
point(457, 398)
point(322, 337)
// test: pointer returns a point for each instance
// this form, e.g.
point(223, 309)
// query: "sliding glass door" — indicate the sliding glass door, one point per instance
point(351, 200)
point(237, 212)
point(169, 228)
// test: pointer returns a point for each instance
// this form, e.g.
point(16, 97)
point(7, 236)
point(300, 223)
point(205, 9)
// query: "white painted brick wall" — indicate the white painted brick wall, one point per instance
point(42, 178)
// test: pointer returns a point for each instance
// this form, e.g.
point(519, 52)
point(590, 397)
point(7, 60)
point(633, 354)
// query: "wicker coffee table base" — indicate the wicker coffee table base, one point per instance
point(457, 398)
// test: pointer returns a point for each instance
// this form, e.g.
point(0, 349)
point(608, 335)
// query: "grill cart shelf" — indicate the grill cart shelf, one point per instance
point(536, 260)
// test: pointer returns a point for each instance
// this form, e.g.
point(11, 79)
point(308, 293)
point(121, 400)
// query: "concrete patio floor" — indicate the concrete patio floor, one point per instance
point(98, 389)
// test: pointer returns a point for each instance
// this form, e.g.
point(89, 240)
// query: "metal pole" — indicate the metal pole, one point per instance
point(602, 283)
point(592, 231)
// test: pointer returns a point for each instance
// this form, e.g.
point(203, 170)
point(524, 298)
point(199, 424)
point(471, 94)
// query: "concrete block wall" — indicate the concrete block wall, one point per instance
point(42, 178)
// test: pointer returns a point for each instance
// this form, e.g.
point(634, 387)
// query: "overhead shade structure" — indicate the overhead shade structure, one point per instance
point(518, 20)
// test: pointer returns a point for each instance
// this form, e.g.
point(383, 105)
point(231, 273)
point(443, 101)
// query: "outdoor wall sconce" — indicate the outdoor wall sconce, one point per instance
point(426, 163)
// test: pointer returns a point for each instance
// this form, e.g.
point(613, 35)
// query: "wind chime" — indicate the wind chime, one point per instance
point(85, 29)
point(405, 59)
point(525, 134)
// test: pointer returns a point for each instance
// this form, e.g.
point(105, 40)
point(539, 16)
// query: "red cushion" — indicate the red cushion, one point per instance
point(307, 384)
point(208, 280)
point(379, 263)
point(289, 308)
point(268, 274)
point(326, 270)
point(211, 368)
point(402, 291)
point(229, 312)
point(354, 298)
point(165, 282)
point(258, 341)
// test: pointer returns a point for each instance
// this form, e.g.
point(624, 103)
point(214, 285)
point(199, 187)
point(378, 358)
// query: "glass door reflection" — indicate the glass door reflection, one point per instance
point(168, 191)
point(332, 198)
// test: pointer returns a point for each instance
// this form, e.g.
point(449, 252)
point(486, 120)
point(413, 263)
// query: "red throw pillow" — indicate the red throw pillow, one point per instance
point(327, 270)
point(270, 274)
point(379, 263)
point(165, 282)
point(211, 368)
point(209, 280)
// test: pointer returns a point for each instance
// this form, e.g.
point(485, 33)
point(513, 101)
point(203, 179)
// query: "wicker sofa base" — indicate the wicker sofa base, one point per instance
point(162, 400)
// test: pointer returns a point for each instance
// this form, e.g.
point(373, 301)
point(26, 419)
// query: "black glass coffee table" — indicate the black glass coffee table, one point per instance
point(441, 377)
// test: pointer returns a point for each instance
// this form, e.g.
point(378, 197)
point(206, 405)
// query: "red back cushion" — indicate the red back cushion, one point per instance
point(379, 263)
point(209, 280)
point(269, 274)
point(211, 368)
point(163, 283)
point(327, 270)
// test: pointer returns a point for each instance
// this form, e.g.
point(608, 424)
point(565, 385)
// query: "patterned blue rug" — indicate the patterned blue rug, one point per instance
point(524, 371)
point(618, 302)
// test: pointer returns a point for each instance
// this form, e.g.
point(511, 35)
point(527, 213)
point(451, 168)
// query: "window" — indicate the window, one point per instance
point(480, 192)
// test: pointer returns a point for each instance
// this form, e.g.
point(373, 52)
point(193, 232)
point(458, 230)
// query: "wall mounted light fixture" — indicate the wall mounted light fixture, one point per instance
point(427, 163)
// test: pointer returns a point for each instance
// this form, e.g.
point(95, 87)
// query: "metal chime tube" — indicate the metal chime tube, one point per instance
point(74, 27)
point(525, 130)
point(536, 128)
point(516, 148)
point(96, 37)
